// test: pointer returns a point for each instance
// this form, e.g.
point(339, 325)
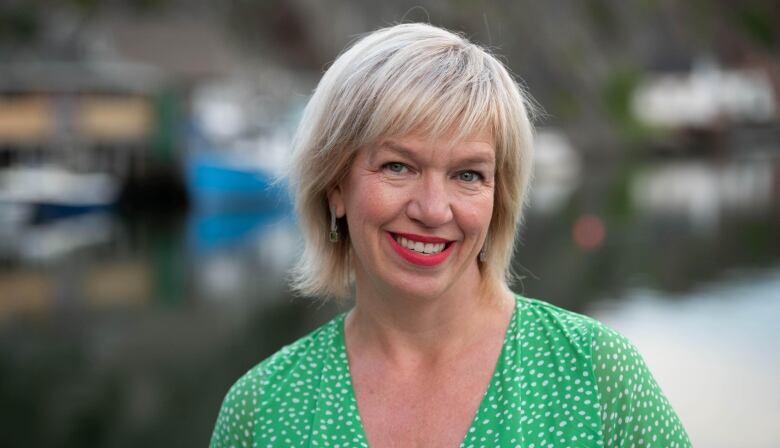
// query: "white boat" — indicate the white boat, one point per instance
point(54, 191)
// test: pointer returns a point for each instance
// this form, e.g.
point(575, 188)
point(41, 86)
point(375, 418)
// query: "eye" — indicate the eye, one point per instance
point(469, 176)
point(395, 167)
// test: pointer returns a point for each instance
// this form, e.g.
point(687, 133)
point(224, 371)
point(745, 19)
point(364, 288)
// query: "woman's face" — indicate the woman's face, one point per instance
point(418, 211)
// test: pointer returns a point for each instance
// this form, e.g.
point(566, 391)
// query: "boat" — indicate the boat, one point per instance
point(228, 182)
point(52, 192)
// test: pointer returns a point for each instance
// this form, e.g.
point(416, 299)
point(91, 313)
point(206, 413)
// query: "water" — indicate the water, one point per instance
point(127, 329)
point(714, 352)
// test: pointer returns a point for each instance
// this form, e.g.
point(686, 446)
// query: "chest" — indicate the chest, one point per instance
point(430, 407)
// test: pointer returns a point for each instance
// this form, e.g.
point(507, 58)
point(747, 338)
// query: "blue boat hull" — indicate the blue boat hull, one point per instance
point(215, 184)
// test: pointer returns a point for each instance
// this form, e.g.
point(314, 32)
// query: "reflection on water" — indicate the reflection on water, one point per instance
point(130, 333)
point(250, 267)
point(714, 352)
point(56, 239)
point(126, 329)
point(666, 225)
point(702, 193)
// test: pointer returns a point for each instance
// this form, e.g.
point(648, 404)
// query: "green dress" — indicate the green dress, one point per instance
point(561, 380)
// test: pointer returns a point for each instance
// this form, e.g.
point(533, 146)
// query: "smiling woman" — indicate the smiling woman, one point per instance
point(402, 196)
point(407, 80)
point(411, 166)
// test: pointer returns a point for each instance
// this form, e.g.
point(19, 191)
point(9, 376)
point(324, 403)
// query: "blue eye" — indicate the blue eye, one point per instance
point(469, 176)
point(395, 167)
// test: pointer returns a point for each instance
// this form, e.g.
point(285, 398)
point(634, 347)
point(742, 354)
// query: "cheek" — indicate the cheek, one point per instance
point(477, 212)
point(373, 202)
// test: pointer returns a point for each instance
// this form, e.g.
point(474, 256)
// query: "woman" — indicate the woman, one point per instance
point(411, 167)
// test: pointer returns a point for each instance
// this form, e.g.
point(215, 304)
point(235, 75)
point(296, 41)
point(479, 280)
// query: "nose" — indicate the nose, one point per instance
point(430, 202)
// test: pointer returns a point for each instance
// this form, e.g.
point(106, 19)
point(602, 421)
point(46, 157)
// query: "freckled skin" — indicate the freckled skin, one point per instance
point(429, 195)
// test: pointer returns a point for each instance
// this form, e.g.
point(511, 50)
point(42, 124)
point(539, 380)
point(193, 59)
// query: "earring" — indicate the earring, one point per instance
point(482, 255)
point(334, 230)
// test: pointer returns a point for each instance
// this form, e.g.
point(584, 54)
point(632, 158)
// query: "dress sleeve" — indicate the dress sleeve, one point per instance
point(235, 422)
point(634, 410)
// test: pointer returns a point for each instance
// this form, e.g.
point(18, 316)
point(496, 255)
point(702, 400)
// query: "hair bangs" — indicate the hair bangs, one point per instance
point(452, 96)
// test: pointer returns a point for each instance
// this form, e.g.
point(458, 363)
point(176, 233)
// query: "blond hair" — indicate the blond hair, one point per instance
point(408, 78)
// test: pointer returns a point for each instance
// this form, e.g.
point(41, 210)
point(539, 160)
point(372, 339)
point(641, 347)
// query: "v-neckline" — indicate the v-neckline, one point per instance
point(344, 368)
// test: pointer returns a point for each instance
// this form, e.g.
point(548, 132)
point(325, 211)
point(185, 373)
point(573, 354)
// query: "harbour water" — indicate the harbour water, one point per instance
point(713, 351)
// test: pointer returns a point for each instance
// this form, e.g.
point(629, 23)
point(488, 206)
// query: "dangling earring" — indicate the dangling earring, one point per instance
point(334, 230)
point(482, 255)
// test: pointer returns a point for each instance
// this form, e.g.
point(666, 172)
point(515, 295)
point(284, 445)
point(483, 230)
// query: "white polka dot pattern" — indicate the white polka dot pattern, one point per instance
point(562, 380)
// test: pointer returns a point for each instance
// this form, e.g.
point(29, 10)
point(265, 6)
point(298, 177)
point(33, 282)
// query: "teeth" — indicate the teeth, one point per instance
point(417, 246)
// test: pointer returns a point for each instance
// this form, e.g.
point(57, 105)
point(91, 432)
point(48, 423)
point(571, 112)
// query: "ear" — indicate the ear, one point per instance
point(336, 202)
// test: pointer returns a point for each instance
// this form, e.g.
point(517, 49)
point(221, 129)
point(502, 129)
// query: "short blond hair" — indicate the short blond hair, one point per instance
point(408, 78)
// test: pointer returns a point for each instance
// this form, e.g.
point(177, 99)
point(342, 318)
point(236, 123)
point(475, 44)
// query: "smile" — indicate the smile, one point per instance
point(421, 250)
point(419, 246)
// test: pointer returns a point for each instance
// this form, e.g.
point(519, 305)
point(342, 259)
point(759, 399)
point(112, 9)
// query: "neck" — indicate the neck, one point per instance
point(424, 329)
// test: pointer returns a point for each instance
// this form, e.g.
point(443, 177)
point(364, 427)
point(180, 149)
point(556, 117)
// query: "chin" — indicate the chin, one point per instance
point(398, 277)
point(422, 287)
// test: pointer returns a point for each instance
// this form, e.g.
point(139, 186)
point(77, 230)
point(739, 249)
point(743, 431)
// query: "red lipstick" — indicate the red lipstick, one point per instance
point(418, 258)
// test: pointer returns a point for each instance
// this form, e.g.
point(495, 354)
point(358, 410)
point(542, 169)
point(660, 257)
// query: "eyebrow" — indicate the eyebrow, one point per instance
point(397, 148)
point(485, 157)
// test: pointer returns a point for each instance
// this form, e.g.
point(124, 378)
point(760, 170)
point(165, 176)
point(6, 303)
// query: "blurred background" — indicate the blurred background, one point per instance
point(143, 245)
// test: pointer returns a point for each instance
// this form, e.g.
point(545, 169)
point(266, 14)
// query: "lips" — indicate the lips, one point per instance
point(421, 250)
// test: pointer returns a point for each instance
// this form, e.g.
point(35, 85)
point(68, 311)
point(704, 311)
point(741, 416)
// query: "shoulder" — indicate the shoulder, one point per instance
point(630, 403)
point(274, 376)
point(269, 374)
point(545, 321)
point(588, 336)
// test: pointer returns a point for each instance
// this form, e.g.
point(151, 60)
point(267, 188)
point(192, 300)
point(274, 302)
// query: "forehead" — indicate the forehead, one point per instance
point(477, 147)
